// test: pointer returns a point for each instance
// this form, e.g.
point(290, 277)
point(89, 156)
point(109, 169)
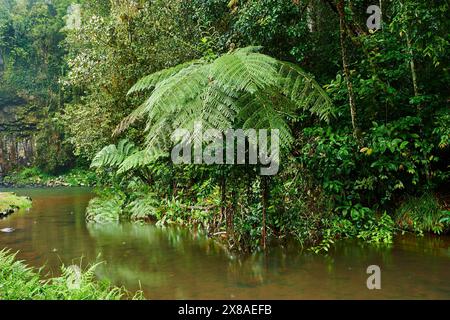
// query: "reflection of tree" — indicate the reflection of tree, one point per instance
point(181, 263)
point(53, 231)
point(166, 261)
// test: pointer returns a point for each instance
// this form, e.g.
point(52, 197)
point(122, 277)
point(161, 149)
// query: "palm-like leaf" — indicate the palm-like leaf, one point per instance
point(244, 88)
point(138, 160)
point(112, 155)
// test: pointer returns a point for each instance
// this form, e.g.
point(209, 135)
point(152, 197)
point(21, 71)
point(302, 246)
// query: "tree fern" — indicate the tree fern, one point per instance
point(244, 89)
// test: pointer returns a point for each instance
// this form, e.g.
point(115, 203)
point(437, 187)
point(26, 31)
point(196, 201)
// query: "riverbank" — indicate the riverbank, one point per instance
point(21, 282)
point(238, 231)
point(33, 177)
point(164, 262)
point(10, 202)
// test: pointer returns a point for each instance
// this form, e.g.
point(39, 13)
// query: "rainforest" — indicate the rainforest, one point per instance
point(254, 142)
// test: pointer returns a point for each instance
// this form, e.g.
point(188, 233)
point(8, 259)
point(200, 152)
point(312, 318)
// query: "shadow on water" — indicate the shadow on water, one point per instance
point(174, 263)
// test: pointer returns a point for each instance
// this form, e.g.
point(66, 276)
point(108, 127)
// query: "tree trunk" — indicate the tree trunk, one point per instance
point(412, 66)
point(231, 211)
point(265, 196)
point(223, 192)
point(351, 97)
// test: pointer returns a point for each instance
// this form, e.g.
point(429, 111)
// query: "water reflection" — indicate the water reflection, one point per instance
point(173, 263)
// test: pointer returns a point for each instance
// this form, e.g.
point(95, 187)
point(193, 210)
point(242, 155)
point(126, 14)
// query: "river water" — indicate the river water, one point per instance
point(171, 263)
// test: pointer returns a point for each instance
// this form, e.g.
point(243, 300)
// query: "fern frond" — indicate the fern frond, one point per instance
point(137, 113)
point(244, 71)
point(243, 89)
point(137, 160)
point(144, 207)
point(112, 155)
point(258, 112)
point(303, 89)
point(104, 210)
point(150, 81)
point(171, 94)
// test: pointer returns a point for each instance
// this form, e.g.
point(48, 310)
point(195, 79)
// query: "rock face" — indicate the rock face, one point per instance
point(17, 136)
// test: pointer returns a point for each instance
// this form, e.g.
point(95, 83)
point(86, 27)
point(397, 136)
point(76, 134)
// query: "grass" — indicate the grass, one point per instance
point(21, 282)
point(423, 214)
point(35, 177)
point(9, 200)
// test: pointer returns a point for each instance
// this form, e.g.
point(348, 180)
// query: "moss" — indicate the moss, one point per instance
point(10, 201)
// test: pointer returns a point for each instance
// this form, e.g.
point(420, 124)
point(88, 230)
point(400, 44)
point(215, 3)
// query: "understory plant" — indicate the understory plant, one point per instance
point(21, 282)
point(422, 214)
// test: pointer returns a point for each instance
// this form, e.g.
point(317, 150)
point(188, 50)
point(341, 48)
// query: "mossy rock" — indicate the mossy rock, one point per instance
point(10, 202)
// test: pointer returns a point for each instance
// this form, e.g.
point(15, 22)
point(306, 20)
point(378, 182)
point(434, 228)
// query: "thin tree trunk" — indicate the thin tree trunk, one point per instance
point(412, 66)
point(265, 195)
point(351, 97)
point(223, 197)
point(309, 17)
point(230, 213)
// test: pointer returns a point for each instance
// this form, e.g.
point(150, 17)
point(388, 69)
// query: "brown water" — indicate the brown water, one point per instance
point(177, 264)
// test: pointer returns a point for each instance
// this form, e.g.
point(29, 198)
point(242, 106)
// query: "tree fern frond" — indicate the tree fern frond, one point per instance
point(244, 71)
point(112, 155)
point(172, 93)
point(256, 113)
point(243, 89)
point(301, 87)
point(144, 207)
point(249, 49)
point(137, 160)
point(137, 113)
point(150, 81)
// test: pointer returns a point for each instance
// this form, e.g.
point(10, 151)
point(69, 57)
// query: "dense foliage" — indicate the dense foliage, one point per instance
point(21, 282)
point(365, 141)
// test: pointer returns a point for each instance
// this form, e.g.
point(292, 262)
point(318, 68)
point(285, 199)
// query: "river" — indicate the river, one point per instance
point(174, 263)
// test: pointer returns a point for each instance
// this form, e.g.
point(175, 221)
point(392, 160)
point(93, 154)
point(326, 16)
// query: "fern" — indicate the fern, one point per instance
point(112, 155)
point(103, 210)
point(137, 160)
point(150, 81)
point(306, 93)
point(144, 207)
point(244, 89)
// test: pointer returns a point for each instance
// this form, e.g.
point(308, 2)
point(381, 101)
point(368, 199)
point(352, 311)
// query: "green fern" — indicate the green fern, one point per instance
point(138, 160)
point(244, 89)
point(103, 210)
point(153, 79)
point(112, 155)
point(144, 207)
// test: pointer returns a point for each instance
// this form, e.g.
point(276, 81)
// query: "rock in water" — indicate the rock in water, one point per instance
point(7, 230)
